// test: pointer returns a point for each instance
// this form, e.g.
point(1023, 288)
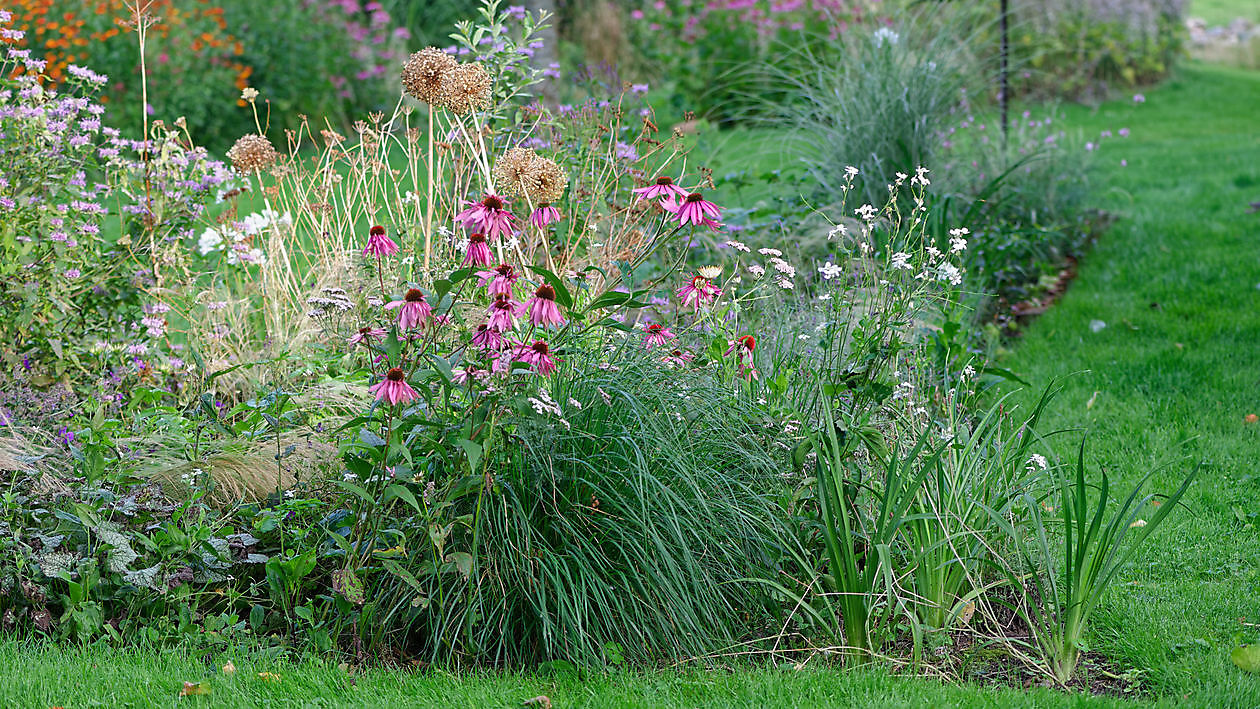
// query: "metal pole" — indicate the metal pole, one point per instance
point(1005, 96)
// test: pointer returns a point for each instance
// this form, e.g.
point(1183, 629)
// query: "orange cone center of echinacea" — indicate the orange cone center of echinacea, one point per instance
point(394, 375)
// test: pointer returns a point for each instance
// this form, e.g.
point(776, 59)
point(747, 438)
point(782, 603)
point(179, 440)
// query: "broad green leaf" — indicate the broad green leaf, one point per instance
point(1247, 657)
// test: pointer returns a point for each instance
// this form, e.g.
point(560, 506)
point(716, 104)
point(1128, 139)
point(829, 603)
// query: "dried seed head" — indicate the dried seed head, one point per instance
point(423, 71)
point(464, 88)
point(522, 172)
point(251, 153)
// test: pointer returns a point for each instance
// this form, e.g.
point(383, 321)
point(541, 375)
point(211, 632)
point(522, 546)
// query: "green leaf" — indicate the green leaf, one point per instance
point(473, 450)
point(562, 292)
point(356, 490)
point(462, 561)
point(402, 493)
point(1247, 657)
point(256, 616)
point(370, 438)
point(615, 298)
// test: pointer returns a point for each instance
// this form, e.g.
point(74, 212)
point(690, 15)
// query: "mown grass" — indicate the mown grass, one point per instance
point(1170, 378)
point(1222, 12)
point(107, 677)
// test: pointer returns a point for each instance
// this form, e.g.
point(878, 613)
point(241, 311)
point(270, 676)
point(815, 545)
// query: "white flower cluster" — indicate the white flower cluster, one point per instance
point(543, 404)
point(237, 238)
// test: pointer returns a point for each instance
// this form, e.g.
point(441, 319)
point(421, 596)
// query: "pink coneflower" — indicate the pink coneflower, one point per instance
point(463, 375)
point(379, 244)
point(414, 311)
point(489, 216)
point(478, 252)
point(542, 308)
point(367, 335)
point(664, 187)
point(544, 215)
point(743, 350)
point(487, 338)
point(655, 335)
point(394, 389)
point(700, 291)
point(503, 312)
point(678, 358)
point(536, 355)
point(498, 280)
point(694, 209)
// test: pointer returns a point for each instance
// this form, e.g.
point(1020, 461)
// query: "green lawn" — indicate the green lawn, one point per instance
point(1177, 282)
point(103, 677)
point(1222, 12)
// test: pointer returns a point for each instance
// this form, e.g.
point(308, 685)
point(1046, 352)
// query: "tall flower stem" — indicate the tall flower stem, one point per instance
point(428, 213)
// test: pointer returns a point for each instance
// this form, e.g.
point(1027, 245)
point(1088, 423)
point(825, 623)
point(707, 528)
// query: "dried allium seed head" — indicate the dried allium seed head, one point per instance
point(465, 88)
point(251, 153)
point(551, 180)
point(423, 71)
point(522, 172)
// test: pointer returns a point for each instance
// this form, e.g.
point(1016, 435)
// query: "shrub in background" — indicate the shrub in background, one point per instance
point(1084, 48)
point(719, 59)
point(192, 59)
point(335, 58)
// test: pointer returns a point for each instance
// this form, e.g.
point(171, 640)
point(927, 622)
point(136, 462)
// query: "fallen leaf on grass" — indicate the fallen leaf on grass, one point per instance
point(268, 677)
point(1251, 418)
point(964, 616)
point(541, 701)
point(1247, 657)
point(194, 689)
point(1090, 404)
point(229, 668)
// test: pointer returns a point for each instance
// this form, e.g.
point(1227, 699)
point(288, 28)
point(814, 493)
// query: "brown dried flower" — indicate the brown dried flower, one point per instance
point(465, 88)
point(251, 153)
point(522, 172)
point(423, 71)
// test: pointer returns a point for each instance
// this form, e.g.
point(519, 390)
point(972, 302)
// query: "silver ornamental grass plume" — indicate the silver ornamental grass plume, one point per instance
point(423, 72)
point(252, 153)
point(464, 88)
